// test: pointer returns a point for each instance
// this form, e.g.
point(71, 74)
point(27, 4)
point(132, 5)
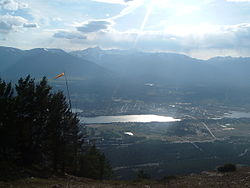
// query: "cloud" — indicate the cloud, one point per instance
point(9, 23)
point(30, 25)
point(94, 26)
point(5, 27)
point(113, 1)
point(9, 5)
point(198, 41)
point(12, 5)
point(69, 35)
point(238, 1)
point(130, 8)
point(3, 38)
point(13, 20)
point(215, 38)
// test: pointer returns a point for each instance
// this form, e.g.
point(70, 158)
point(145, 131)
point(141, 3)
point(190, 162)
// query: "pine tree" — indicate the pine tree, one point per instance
point(37, 127)
point(31, 108)
point(7, 130)
point(41, 107)
point(73, 142)
point(94, 165)
point(25, 111)
point(63, 136)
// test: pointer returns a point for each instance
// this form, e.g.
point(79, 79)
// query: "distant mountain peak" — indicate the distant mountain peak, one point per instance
point(10, 49)
point(45, 50)
point(55, 50)
point(96, 49)
point(222, 58)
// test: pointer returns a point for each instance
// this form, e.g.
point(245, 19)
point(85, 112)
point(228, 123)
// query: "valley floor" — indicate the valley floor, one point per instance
point(238, 179)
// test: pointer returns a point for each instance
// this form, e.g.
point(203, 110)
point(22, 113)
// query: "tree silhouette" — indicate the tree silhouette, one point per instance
point(94, 165)
point(7, 130)
point(37, 128)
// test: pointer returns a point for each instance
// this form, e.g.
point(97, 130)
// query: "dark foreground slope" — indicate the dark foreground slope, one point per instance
point(240, 178)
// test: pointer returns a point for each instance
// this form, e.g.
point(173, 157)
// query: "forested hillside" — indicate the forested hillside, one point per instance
point(40, 136)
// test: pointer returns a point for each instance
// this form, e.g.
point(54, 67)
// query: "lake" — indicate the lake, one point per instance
point(237, 114)
point(128, 118)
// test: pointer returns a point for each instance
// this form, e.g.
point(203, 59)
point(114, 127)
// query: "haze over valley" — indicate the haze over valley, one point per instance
point(209, 98)
point(149, 88)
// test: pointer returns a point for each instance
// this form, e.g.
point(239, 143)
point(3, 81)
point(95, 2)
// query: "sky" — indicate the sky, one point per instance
point(198, 28)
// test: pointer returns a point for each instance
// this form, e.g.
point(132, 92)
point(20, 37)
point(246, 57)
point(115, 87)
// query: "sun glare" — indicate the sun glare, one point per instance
point(185, 30)
point(178, 9)
point(160, 3)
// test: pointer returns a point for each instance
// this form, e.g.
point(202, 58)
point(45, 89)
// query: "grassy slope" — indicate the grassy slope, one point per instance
point(241, 178)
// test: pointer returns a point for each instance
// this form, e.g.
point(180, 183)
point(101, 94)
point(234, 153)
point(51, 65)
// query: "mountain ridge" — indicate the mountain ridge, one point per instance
point(170, 67)
point(125, 72)
point(46, 62)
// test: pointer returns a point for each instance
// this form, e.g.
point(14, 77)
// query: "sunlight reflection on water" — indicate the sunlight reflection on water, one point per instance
point(128, 118)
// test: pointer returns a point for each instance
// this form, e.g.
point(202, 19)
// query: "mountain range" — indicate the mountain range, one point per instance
point(40, 62)
point(128, 72)
point(169, 68)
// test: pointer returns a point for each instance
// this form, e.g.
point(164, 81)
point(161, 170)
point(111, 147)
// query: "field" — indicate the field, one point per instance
point(207, 136)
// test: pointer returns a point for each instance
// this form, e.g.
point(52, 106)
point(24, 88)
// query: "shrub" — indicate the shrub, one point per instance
point(168, 178)
point(141, 174)
point(227, 168)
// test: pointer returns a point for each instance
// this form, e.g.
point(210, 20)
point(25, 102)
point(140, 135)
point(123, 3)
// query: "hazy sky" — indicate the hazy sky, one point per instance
point(200, 28)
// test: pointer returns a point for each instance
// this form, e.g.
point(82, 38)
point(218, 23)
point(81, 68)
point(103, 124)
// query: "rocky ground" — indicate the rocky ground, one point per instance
point(238, 179)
